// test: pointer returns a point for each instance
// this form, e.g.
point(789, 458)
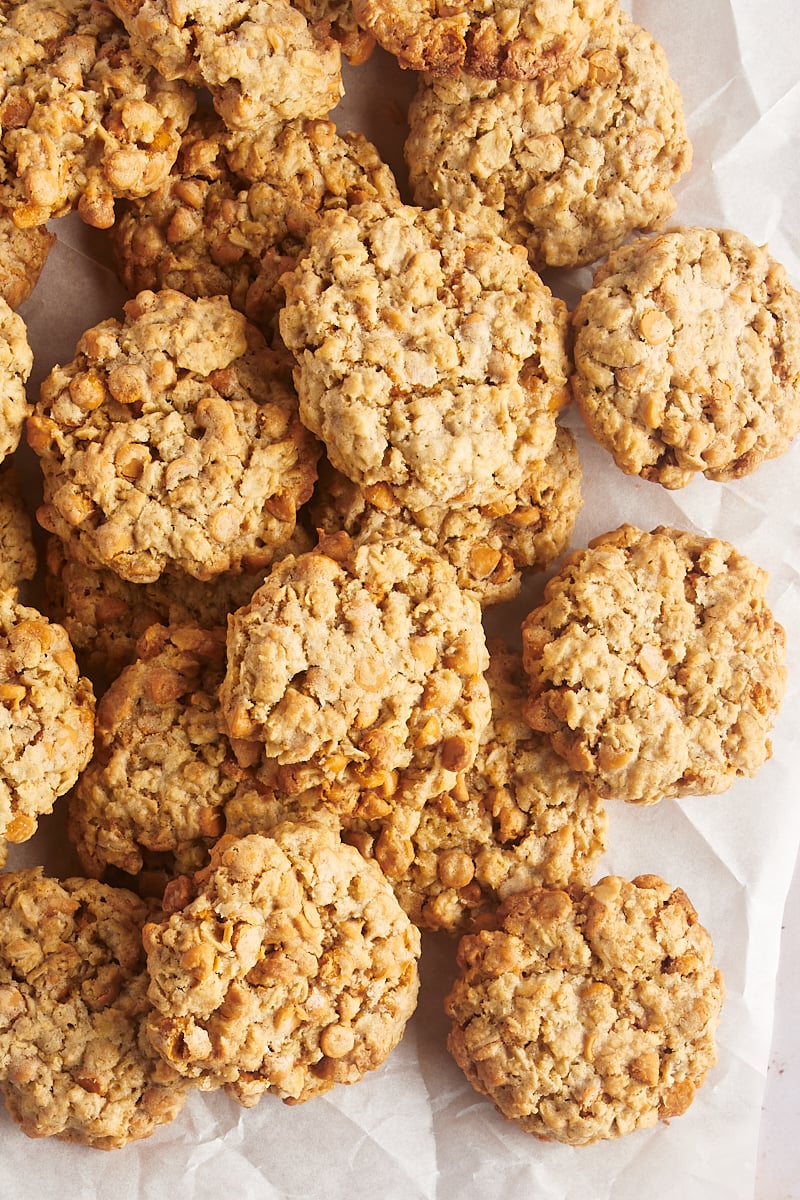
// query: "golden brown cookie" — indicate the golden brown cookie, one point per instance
point(589, 1016)
point(16, 362)
point(336, 18)
point(23, 253)
point(17, 551)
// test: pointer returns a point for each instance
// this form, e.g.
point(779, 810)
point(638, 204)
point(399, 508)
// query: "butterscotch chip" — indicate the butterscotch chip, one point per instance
point(655, 664)
point(359, 666)
point(16, 362)
point(431, 357)
point(172, 442)
point(289, 968)
point(513, 40)
point(260, 59)
point(336, 18)
point(74, 1061)
point(83, 121)
point(588, 1017)
point(46, 718)
point(490, 547)
point(569, 165)
point(17, 551)
point(687, 355)
point(23, 254)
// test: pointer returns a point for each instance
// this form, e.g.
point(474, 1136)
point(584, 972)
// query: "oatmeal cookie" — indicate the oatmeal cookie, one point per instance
point(336, 18)
point(490, 547)
point(172, 442)
point(514, 39)
point(17, 551)
point(46, 718)
point(570, 165)
point(82, 120)
point(589, 1016)
point(23, 253)
point(655, 664)
point(260, 60)
point(74, 1061)
point(687, 355)
point(16, 363)
point(287, 968)
point(154, 792)
point(431, 357)
point(358, 667)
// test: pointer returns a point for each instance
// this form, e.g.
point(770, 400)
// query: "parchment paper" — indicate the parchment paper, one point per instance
point(415, 1129)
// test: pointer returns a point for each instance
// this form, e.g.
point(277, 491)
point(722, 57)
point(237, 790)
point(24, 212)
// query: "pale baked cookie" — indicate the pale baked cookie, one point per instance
point(260, 59)
point(74, 1061)
point(172, 442)
point(687, 355)
point(234, 213)
point(46, 718)
point(153, 795)
point(655, 664)
point(591, 1016)
point(287, 966)
point(17, 551)
point(512, 39)
point(490, 547)
point(358, 668)
point(431, 357)
point(23, 253)
point(570, 165)
point(336, 18)
point(16, 362)
point(83, 120)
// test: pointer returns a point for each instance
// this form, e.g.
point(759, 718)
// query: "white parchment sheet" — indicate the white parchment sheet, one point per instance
point(415, 1130)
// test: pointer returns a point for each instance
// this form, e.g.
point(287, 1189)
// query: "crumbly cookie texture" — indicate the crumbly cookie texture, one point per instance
point(336, 18)
point(287, 968)
point(431, 357)
point(490, 547)
point(83, 120)
point(590, 1016)
point(358, 667)
point(655, 664)
point(152, 798)
point(47, 714)
point(235, 211)
point(74, 1061)
point(687, 356)
point(23, 253)
point(17, 551)
point(515, 40)
point(172, 442)
point(259, 59)
point(519, 818)
point(570, 165)
point(16, 363)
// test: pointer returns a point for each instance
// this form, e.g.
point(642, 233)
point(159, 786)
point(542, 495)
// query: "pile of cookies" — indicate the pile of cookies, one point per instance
point(279, 495)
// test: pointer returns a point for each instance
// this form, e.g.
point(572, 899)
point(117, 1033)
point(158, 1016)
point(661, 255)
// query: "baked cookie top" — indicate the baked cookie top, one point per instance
point(17, 551)
point(234, 213)
point(359, 666)
point(687, 356)
point(260, 60)
point(23, 253)
point(571, 164)
point(172, 441)
point(655, 664)
point(431, 357)
point(16, 363)
point(153, 794)
point(589, 1016)
point(83, 120)
point(74, 1061)
point(336, 17)
point(46, 718)
point(490, 547)
point(286, 966)
point(513, 39)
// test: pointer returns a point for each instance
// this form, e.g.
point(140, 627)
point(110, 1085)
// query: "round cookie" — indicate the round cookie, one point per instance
point(260, 60)
point(358, 668)
point(17, 551)
point(16, 363)
point(687, 356)
point(172, 442)
point(590, 1016)
point(287, 966)
point(23, 253)
point(46, 718)
point(490, 547)
point(655, 664)
point(74, 1061)
point(513, 39)
point(431, 357)
point(83, 120)
point(570, 165)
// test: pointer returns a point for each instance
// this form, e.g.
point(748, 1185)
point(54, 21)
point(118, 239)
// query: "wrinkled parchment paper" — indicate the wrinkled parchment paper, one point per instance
point(415, 1129)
